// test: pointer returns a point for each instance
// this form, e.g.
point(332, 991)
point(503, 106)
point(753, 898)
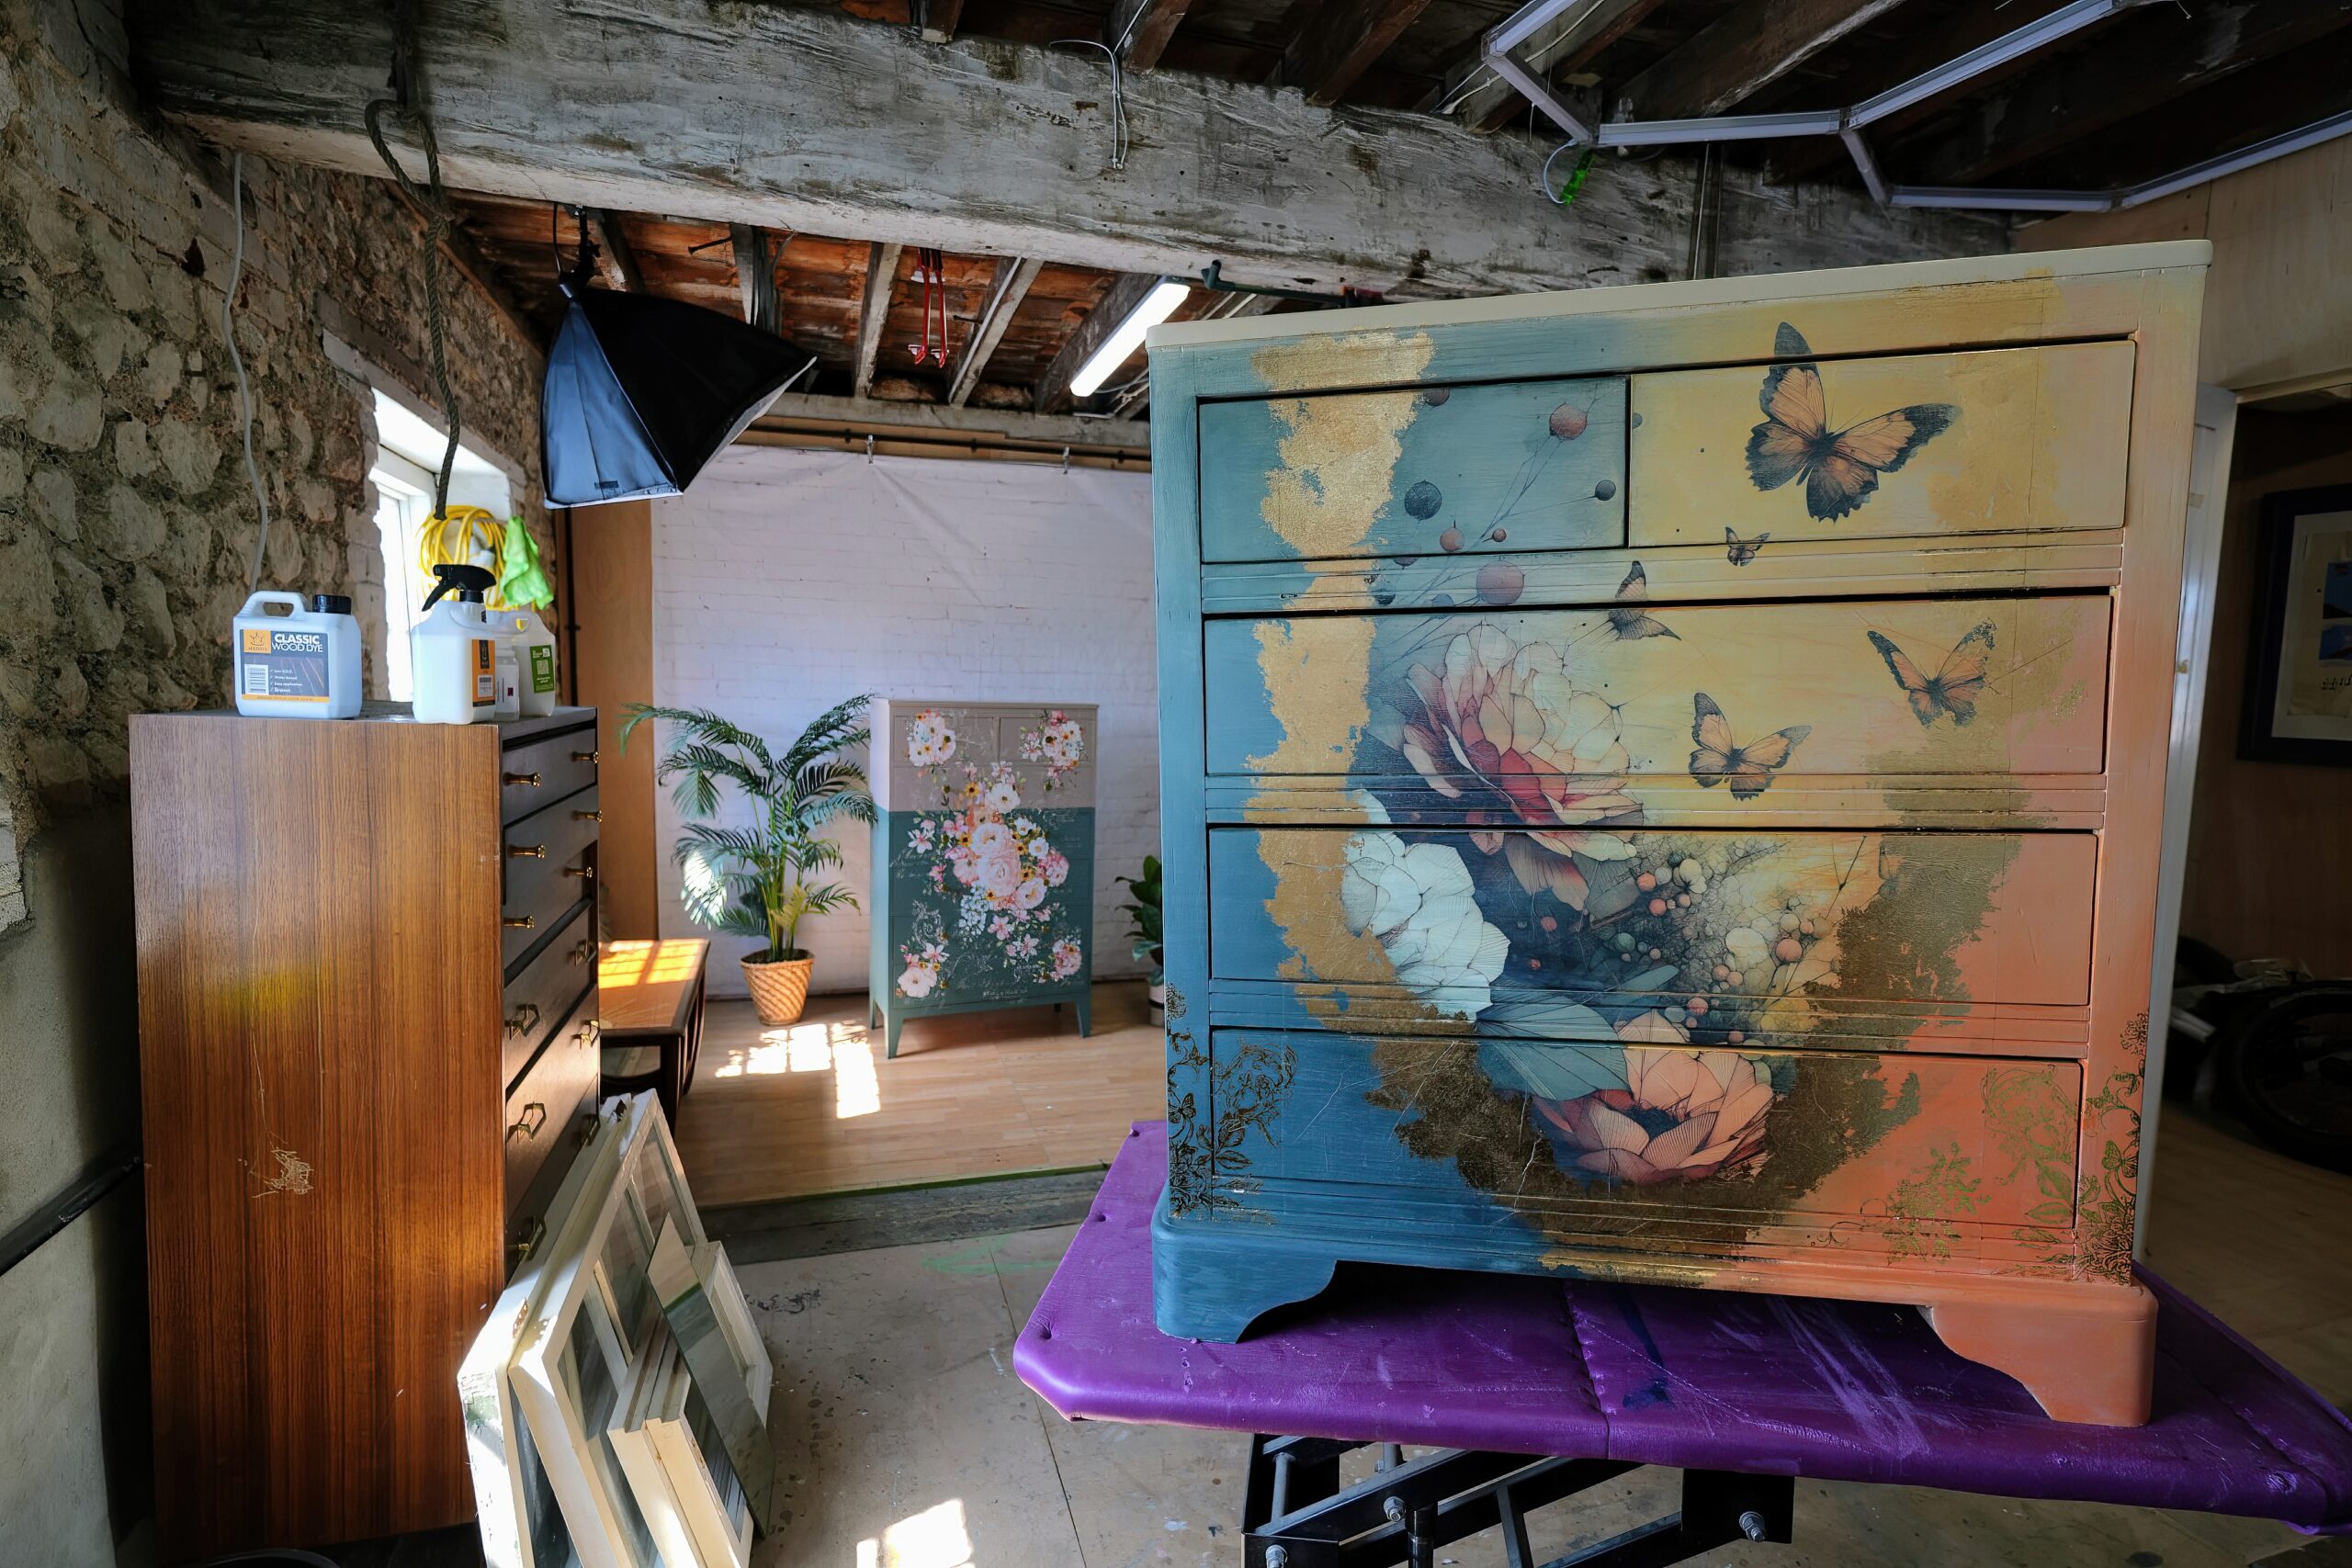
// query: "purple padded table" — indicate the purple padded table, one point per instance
point(1763, 1385)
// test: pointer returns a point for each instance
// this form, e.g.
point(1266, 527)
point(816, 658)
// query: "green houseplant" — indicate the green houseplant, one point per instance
point(761, 880)
point(1143, 914)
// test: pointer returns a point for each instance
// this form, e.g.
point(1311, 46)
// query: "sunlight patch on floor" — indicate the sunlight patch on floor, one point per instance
point(838, 1046)
point(933, 1539)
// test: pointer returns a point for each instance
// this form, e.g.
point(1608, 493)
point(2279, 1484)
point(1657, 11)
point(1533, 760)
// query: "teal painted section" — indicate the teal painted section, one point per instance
point(944, 945)
point(1508, 466)
point(1184, 826)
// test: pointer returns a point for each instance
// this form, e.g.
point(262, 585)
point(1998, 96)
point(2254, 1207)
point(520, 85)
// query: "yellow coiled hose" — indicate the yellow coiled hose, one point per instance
point(464, 535)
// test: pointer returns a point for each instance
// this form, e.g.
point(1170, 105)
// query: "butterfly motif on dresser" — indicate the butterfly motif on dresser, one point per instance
point(1748, 769)
point(1739, 551)
point(1958, 682)
point(1840, 467)
point(1630, 618)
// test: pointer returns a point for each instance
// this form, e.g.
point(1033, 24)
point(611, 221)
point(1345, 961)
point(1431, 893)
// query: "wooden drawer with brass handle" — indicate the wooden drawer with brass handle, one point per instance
point(548, 862)
point(544, 770)
point(554, 1097)
point(546, 991)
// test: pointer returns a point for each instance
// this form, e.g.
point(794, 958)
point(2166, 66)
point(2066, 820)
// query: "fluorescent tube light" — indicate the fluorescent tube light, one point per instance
point(1157, 307)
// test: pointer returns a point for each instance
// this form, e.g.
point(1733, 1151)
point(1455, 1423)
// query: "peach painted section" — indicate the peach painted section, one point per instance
point(2040, 442)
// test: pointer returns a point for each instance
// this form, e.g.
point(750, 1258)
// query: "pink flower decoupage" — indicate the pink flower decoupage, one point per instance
point(1539, 760)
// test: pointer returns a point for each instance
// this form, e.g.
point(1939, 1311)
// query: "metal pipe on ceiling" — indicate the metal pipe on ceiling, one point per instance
point(1848, 123)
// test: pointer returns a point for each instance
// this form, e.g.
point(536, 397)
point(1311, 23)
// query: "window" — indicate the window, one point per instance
point(408, 458)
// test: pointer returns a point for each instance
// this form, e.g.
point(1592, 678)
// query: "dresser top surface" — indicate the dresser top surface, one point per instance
point(1826, 284)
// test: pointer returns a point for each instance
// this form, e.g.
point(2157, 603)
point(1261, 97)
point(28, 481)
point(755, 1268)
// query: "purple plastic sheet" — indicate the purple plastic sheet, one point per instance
point(1840, 1391)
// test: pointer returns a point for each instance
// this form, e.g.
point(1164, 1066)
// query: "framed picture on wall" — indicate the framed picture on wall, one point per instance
point(2299, 679)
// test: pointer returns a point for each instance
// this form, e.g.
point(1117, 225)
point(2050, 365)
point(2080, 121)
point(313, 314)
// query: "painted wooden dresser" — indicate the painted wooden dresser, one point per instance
point(983, 889)
point(367, 1047)
point(1664, 784)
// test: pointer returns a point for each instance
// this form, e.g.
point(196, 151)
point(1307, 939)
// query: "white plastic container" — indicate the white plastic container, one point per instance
point(535, 653)
point(453, 653)
point(301, 663)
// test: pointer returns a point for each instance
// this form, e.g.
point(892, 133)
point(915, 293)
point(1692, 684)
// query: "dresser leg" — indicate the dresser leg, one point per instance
point(1208, 1282)
point(2090, 1359)
point(896, 1021)
point(1085, 1005)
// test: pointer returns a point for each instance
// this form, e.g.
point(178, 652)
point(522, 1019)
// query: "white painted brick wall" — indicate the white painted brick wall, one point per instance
point(788, 580)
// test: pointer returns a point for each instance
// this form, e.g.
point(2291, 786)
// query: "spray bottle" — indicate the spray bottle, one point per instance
point(453, 653)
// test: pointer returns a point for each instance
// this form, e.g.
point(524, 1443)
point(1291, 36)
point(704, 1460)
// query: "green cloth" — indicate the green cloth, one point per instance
point(521, 581)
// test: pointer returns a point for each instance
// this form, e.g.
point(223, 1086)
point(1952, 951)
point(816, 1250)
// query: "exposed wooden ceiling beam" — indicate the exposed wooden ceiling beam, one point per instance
point(1139, 29)
point(1486, 103)
point(934, 429)
point(881, 277)
point(1341, 42)
point(2144, 62)
point(755, 277)
point(529, 103)
point(939, 18)
point(1740, 51)
point(1052, 393)
point(1006, 291)
point(614, 258)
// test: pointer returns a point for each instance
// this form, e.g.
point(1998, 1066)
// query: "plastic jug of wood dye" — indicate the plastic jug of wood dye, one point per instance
point(297, 660)
point(453, 653)
point(535, 654)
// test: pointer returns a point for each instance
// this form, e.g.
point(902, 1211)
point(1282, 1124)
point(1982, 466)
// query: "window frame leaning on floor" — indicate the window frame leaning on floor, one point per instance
point(591, 1289)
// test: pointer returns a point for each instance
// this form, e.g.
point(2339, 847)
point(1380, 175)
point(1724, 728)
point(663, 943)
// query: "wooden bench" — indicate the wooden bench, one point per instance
point(652, 994)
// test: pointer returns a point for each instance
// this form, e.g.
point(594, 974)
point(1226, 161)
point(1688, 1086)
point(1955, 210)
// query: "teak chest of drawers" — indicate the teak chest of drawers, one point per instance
point(1665, 783)
point(983, 891)
point(367, 1041)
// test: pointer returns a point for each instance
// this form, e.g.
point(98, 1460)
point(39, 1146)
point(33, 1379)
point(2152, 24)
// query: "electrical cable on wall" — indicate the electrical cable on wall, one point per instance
point(1566, 193)
point(1118, 93)
point(237, 363)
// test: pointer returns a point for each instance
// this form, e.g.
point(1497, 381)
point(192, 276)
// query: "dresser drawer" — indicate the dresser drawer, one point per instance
point(545, 1112)
point(538, 999)
point(1693, 1151)
point(545, 768)
point(1510, 465)
point(1481, 711)
point(550, 865)
point(1732, 938)
point(2001, 440)
point(1052, 754)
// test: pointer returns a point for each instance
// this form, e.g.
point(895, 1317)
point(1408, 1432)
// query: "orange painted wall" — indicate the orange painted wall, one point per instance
point(611, 592)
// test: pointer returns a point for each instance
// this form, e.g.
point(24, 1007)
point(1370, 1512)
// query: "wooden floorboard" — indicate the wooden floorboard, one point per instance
point(814, 1107)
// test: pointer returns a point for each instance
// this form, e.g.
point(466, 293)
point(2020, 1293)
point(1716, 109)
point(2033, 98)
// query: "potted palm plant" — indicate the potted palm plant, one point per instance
point(1144, 915)
point(763, 880)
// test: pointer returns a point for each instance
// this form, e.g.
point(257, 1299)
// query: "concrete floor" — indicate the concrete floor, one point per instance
point(905, 1441)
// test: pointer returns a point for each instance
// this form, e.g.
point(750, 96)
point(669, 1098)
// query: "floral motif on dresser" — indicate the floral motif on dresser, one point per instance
point(992, 908)
point(1059, 743)
point(931, 740)
point(1501, 724)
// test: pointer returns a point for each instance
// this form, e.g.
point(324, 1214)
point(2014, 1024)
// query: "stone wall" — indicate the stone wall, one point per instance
point(127, 522)
point(127, 529)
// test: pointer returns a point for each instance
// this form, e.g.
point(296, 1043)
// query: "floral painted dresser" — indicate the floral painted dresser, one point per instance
point(983, 891)
point(1664, 784)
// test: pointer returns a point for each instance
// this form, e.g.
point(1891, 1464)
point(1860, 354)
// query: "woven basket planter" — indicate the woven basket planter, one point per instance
point(779, 990)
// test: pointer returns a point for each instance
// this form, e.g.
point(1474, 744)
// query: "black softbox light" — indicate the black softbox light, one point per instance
point(641, 392)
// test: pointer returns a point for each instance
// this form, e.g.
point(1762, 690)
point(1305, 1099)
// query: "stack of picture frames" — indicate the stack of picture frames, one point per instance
point(615, 1403)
